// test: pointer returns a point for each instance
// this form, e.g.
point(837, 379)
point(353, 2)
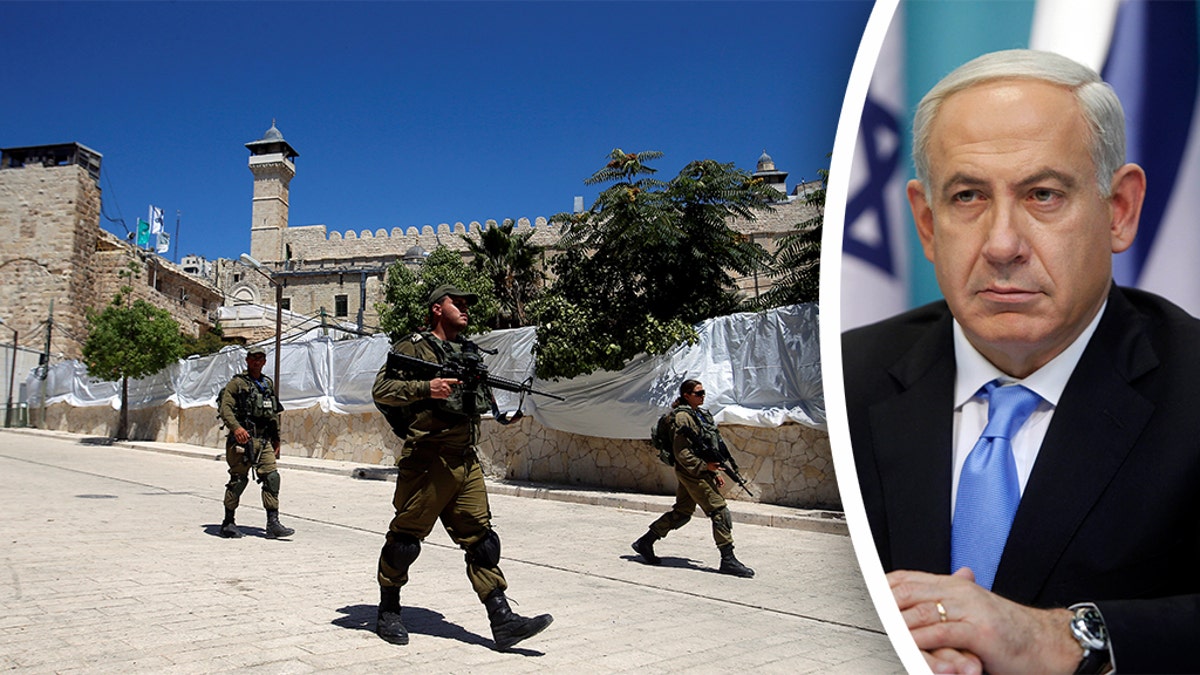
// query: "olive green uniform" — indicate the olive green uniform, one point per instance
point(697, 485)
point(439, 474)
point(254, 407)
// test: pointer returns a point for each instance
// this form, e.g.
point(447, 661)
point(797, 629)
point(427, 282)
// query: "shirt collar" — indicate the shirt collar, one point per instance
point(973, 370)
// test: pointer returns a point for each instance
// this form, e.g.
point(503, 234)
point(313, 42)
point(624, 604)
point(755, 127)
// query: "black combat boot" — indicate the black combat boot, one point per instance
point(507, 628)
point(645, 548)
point(387, 623)
point(275, 529)
point(731, 565)
point(229, 529)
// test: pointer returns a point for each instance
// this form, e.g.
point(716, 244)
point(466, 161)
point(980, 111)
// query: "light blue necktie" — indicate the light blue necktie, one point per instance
point(988, 490)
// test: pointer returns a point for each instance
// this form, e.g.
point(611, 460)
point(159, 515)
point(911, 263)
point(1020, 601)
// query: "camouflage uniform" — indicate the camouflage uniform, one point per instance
point(439, 477)
point(439, 474)
point(255, 407)
point(697, 487)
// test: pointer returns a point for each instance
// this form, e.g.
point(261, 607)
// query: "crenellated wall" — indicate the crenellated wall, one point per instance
point(791, 465)
point(313, 244)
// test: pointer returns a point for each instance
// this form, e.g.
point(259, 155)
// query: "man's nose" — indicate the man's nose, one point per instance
point(1006, 234)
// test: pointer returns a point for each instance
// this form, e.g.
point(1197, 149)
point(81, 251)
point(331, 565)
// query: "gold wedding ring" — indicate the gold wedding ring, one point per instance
point(941, 612)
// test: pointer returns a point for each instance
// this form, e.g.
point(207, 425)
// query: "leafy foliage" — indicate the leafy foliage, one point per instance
point(647, 261)
point(210, 342)
point(129, 338)
point(405, 291)
point(512, 264)
point(796, 265)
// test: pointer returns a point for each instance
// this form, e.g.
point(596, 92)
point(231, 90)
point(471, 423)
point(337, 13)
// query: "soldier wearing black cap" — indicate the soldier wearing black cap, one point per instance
point(439, 476)
point(250, 409)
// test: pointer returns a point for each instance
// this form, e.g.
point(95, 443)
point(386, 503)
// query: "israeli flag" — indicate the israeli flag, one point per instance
point(156, 220)
point(1148, 51)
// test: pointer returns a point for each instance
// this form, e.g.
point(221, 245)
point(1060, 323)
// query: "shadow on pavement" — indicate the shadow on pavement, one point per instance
point(96, 440)
point(671, 561)
point(214, 530)
point(419, 621)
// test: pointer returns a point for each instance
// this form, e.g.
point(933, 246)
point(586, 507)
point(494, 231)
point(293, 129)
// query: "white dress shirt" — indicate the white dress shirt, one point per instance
point(970, 409)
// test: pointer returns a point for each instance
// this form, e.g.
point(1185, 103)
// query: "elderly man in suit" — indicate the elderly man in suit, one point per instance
point(1029, 448)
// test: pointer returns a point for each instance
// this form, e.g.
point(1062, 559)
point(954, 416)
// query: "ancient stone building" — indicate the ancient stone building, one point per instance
point(342, 273)
point(52, 250)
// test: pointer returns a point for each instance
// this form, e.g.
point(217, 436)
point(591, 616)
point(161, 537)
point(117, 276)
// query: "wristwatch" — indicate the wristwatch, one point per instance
point(1087, 626)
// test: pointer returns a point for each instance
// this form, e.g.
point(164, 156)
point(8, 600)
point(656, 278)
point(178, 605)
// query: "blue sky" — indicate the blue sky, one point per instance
point(414, 113)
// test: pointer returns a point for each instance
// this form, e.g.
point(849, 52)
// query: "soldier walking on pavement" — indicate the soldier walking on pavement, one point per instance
point(250, 409)
point(695, 439)
point(439, 474)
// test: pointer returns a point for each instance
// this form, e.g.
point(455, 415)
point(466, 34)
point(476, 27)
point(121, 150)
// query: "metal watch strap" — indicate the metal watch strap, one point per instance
point(1088, 629)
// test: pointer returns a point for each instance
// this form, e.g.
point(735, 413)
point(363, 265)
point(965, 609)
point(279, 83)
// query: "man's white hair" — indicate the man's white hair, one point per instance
point(1097, 101)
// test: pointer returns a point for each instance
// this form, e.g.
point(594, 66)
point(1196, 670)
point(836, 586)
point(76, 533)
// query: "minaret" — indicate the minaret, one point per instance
point(271, 162)
point(768, 174)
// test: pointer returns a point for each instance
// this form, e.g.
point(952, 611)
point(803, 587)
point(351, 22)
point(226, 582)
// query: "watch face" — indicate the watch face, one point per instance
point(1089, 628)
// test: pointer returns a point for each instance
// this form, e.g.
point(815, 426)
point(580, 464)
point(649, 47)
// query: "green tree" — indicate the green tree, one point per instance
point(647, 261)
point(129, 338)
point(210, 342)
point(796, 265)
point(405, 291)
point(512, 264)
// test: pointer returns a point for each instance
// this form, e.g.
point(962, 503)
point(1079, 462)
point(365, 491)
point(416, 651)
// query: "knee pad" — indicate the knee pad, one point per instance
point(486, 551)
point(400, 551)
point(723, 518)
point(237, 484)
point(270, 483)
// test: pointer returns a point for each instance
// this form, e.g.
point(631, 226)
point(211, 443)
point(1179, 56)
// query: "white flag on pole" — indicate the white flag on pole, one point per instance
point(156, 220)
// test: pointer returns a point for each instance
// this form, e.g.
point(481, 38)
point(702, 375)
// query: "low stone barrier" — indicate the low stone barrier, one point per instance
point(790, 465)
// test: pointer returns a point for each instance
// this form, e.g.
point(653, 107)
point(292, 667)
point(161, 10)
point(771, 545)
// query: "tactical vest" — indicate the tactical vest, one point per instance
point(710, 437)
point(256, 405)
point(434, 416)
point(456, 406)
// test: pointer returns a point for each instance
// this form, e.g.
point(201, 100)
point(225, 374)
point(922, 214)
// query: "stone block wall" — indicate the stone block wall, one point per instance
point(49, 219)
point(790, 465)
point(311, 243)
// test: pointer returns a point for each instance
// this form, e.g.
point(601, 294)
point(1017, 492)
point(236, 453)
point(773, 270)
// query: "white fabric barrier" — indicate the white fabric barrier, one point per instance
point(760, 369)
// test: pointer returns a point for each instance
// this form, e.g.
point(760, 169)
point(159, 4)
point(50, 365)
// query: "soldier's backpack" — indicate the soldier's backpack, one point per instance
point(662, 437)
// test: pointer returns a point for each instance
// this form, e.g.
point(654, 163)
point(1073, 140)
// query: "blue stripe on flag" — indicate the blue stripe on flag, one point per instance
point(1153, 67)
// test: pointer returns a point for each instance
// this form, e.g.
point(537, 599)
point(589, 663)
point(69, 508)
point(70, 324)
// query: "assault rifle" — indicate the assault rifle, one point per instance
point(469, 369)
point(718, 455)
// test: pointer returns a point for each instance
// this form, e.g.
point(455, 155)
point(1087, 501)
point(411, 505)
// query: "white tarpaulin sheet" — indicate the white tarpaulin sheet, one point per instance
point(760, 369)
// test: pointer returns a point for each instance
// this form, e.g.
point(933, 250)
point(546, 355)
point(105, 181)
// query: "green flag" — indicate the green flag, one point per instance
point(143, 234)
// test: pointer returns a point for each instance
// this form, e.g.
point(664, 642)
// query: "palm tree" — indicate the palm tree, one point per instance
point(512, 264)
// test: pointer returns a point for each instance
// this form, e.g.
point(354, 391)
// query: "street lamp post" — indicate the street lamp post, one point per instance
point(12, 375)
point(247, 260)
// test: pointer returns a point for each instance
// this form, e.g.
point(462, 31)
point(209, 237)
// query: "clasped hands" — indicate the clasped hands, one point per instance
point(976, 630)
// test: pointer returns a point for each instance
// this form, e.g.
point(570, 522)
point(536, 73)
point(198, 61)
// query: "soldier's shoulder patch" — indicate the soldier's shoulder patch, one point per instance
point(416, 337)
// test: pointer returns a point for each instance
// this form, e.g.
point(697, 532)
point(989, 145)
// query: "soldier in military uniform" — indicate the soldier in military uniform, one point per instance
point(250, 410)
point(699, 483)
point(439, 475)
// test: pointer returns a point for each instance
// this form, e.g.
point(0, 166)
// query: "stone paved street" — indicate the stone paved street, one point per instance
point(112, 564)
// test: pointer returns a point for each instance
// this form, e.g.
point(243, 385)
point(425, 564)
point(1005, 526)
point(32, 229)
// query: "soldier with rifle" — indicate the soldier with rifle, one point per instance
point(432, 391)
point(699, 452)
point(249, 408)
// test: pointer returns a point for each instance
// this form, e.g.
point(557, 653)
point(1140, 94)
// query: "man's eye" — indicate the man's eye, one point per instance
point(966, 196)
point(1043, 195)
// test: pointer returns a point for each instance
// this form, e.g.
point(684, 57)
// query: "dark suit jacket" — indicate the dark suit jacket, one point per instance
point(1111, 512)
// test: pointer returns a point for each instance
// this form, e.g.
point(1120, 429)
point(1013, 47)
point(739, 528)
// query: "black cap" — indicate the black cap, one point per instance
point(452, 291)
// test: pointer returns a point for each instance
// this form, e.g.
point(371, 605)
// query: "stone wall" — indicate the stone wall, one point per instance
point(49, 222)
point(190, 300)
point(789, 465)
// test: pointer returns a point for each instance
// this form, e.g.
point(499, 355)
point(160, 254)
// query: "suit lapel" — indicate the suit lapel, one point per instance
point(912, 436)
point(1095, 426)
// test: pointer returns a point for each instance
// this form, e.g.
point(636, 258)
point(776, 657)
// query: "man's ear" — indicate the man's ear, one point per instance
point(1128, 193)
point(922, 216)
